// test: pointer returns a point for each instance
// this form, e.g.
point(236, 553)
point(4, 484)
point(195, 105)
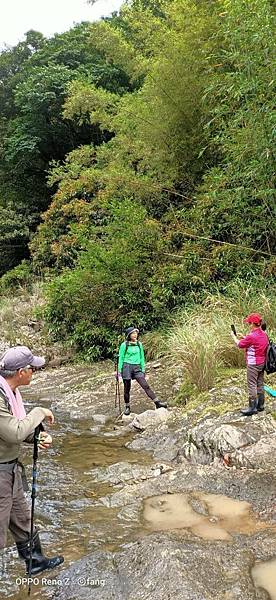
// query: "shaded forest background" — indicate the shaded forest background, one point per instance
point(137, 164)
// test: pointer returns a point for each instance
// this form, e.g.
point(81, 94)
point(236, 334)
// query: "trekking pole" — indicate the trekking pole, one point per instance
point(117, 392)
point(116, 382)
point(33, 496)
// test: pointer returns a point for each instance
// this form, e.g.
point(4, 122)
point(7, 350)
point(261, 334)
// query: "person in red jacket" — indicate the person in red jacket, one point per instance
point(255, 345)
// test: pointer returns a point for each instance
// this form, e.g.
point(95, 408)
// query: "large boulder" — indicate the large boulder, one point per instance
point(150, 418)
point(261, 455)
point(234, 438)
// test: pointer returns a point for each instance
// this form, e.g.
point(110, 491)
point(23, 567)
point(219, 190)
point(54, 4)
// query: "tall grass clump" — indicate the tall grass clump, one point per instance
point(154, 343)
point(196, 348)
point(200, 340)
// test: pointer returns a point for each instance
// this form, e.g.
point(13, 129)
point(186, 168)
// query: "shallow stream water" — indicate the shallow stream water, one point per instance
point(72, 519)
point(208, 516)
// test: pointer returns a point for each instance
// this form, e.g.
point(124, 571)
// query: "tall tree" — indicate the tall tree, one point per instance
point(237, 201)
point(34, 81)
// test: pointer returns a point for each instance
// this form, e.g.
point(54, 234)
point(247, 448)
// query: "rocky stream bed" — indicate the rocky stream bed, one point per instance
point(165, 504)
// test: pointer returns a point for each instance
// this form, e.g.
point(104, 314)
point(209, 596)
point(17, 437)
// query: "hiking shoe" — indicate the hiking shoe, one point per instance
point(260, 403)
point(159, 404)
point(39, 561)
point(251, 410)
point(127, 410)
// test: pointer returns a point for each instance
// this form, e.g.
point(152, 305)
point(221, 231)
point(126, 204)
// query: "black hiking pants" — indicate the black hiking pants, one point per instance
point(130, 372)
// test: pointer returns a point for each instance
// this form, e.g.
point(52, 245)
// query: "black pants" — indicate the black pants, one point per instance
point(134, 372)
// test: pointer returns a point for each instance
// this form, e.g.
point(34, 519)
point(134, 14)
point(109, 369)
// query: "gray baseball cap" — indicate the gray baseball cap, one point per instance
point(19, 357)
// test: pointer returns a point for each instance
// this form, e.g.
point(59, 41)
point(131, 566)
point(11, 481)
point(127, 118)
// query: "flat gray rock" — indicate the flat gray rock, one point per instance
point(161, 567)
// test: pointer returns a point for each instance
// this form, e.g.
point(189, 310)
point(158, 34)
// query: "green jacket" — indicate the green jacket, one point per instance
point(134, 355)
point(13, 432)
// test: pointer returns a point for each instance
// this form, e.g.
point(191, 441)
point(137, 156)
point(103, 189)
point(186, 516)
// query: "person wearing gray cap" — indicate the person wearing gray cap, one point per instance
point(16, 368)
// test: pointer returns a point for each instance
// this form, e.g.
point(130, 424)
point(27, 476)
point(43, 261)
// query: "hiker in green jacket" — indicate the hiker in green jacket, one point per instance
point(132, 366)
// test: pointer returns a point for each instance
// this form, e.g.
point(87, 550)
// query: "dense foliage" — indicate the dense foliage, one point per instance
point(156, 129)
point(34, 79)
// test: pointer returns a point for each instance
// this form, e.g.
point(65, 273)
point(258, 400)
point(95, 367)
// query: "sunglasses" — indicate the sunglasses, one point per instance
point(33, 369)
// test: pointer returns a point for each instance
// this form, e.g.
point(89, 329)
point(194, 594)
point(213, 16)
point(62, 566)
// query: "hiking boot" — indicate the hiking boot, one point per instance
point(251, 410)
point(127, 410)
point(159, 404)
point(39, 561)
point(260, 403)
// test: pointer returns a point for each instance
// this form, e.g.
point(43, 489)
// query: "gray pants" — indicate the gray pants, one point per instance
point(255, 382)
point(15, 513)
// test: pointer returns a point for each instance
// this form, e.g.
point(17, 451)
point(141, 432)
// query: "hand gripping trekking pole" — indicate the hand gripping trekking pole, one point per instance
point(33, 496)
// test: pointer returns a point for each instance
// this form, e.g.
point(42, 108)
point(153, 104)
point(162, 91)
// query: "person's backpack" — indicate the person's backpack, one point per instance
point(270, 364)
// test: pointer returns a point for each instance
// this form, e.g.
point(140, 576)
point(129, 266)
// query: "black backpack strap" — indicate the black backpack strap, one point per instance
point(126, 347)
